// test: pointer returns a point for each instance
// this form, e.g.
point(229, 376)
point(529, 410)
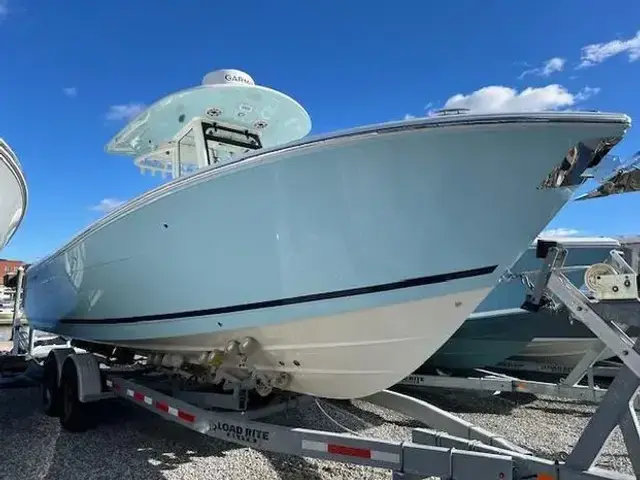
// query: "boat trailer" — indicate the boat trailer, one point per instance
point(74, 380)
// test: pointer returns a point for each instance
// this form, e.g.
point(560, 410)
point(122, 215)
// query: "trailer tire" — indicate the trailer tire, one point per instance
point(75, 416)
point(50, 392)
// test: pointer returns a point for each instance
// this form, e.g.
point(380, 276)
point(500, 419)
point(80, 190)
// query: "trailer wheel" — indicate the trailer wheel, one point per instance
point(50, 392)
point(75, 416)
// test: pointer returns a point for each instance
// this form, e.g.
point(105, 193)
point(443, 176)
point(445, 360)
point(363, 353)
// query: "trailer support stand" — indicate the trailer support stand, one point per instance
point(615, 409)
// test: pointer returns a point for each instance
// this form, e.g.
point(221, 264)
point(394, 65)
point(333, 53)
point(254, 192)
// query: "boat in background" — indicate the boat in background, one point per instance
point(558, 352)
point(624, 178)
point(501, 330)
point(330, 265)
point(13, 194)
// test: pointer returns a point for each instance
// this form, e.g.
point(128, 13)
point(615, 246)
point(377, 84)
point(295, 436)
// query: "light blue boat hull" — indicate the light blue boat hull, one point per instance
point(346, 257)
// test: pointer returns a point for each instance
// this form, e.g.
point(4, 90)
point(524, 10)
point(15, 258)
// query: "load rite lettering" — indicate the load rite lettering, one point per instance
point(241, 433)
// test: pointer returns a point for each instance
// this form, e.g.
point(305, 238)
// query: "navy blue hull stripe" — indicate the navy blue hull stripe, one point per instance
point(314, 297)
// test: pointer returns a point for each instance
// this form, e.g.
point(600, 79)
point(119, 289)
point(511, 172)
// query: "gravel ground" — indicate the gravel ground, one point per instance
point(131, 443)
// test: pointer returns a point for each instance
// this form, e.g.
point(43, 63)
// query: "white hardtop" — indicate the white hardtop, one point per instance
point(579, 242)
point(211, 124)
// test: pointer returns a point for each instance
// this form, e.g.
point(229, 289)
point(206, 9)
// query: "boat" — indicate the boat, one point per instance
point(13, 194)
point(557, 352)
point(501, 330)
point(329, 264)
point(624, 178)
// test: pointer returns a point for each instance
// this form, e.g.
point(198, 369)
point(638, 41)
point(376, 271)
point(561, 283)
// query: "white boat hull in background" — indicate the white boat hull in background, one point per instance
point(13, 194)
point(346, 257)
point(563, 352)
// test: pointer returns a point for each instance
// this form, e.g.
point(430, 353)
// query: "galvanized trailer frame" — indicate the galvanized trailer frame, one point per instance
point(77, 380)
point(490, 380)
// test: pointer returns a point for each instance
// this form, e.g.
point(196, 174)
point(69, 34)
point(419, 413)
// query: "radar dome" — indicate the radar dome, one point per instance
point(227, 75)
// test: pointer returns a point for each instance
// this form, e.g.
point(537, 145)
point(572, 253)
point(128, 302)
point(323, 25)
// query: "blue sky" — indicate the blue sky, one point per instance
point(72, 71)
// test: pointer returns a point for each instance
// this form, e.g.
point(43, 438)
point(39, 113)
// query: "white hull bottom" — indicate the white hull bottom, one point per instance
point(565, 352)
point(377, 348)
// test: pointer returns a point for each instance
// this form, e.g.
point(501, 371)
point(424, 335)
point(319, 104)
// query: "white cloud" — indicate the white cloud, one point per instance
point(559, 232)
point(4, 9)
point(428, 112)
point(70, 91)
point(586, 93)
point(555, 64)
point(125, 111)
point(599, 52)
point(107, 204)
point(498, 98)
point(429, 109)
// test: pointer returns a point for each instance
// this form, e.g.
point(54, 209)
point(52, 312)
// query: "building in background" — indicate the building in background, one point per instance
point(8, 269)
